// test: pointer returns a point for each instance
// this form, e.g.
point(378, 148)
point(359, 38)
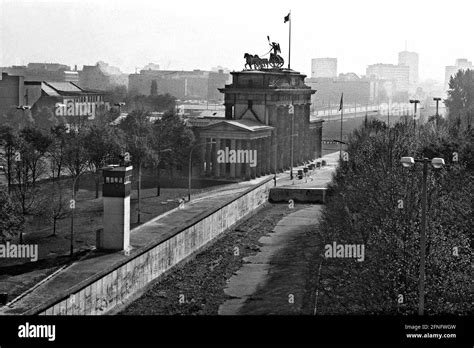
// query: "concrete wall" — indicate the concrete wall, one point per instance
point(302, 195)
point(101, 294)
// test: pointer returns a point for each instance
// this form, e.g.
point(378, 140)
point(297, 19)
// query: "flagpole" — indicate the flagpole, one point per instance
point(289, 50)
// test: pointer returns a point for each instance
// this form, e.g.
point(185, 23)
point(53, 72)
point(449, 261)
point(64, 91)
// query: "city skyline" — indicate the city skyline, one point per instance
point(130, 35)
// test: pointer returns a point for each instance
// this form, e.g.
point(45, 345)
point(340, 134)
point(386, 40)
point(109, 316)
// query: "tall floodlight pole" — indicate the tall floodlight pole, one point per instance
point(437, 163)
point(437, 100)
point(341, 109)
point(414, 101)
point(292, 113)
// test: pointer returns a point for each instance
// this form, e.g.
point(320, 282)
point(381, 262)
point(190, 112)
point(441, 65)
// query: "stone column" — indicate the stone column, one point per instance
point(202, 159)
point(216, 165)
point(253, 170)
point(238, 166)
point(232, 165)
point(247, 165)
point(223, 170)
point(208, 157)
point(269, 153)
point(258, 169)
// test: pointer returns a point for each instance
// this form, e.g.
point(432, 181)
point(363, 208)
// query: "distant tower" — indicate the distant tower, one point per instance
point(116, 195)
point(410, 59)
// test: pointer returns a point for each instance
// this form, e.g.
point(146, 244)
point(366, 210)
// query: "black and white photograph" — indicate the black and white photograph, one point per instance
point(236, 167)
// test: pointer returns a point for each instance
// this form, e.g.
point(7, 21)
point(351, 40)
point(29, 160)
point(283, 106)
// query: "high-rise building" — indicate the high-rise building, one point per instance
point(451, 70)
point(398, 75)
point(324, 67)
point(410, 59)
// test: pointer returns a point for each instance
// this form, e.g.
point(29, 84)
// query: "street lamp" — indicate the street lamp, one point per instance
point(158, 171)
point(73, 207)
point(414, 101)
point(437, 100)
point(437, 163)
point(190, 165)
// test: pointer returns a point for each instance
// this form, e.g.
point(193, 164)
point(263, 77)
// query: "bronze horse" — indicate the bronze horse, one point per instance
point(252, 60)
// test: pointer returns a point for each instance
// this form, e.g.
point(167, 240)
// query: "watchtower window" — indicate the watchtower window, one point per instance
point(249, 104)
point(250, 83)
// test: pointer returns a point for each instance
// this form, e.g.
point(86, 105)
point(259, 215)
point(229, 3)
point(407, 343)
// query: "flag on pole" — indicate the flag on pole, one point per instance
point(286, 18)
point(340, 104)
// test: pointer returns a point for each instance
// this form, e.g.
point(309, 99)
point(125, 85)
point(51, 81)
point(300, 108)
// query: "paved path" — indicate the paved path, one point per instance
point(282, 253)
point(256, 271)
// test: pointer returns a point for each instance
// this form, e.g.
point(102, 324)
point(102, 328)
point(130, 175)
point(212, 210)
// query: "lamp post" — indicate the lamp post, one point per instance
point(437, 163)
point(73, 207)
point(291, 111)
point(158, 171)
point(190, 165)
point(437, 100)
point(414, 101)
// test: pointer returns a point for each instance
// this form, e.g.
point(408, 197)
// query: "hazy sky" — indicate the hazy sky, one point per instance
point(185, 34)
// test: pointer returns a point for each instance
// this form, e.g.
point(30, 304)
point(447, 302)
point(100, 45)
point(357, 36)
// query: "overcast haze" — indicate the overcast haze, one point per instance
point(202, 34)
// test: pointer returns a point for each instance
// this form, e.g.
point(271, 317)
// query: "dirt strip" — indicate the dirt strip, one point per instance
point(197, 287)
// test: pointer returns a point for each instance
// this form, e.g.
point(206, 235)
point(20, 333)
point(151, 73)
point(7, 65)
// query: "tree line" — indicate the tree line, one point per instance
point(39, 161)
point(376, 202)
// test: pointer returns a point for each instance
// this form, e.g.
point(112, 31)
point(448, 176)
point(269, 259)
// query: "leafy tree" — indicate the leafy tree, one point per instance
point(364, 208)
point(137, 130)
point(161, 102)
point(9, 140)
point(29, 167)
point(170, 132)
point(75, 155)
point(11, 221)
point(57, 149)
point(154, 88)
point(17, 119)
point(102, 144)
point(36, 145)
point(117, 95)
point(460, 101)
point(45, 119)
point(58, 205)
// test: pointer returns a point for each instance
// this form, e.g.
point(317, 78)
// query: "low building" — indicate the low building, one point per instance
point(101, 77)
point(183, 85)
point(12, 93)
point(41, 72)
point(357, 91)
point(66, 101)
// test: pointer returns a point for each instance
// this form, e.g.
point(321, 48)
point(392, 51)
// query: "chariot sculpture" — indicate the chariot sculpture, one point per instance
point(254, 62)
